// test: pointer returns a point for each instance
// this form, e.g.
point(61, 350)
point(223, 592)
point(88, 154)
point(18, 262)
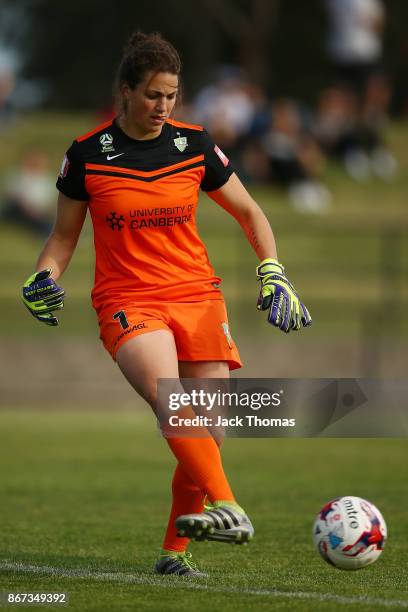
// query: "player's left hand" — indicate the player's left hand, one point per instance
point(286, 311)
point(41, 295)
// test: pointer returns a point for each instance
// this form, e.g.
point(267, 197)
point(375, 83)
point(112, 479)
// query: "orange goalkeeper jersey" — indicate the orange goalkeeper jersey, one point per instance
point(143, 198)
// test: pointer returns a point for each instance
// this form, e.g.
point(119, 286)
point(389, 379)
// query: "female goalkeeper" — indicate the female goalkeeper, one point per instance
point(155, 291)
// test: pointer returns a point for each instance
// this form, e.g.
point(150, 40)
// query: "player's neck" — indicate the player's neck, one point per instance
point(133, 130)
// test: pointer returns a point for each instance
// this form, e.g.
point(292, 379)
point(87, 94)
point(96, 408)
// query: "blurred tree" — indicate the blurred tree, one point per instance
point(76, 46)
point(299, 64)
point(250, 27)
point(396, 53)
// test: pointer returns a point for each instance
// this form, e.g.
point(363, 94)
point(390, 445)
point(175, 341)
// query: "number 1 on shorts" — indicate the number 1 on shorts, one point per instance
point(121, 317)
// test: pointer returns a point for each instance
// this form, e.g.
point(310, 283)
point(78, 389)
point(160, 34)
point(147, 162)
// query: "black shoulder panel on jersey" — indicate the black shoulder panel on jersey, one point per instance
point(218, 168)
point(110, 146)
point(71, 180)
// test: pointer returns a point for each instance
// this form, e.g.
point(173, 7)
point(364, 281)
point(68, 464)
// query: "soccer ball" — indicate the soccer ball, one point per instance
point(349, 533)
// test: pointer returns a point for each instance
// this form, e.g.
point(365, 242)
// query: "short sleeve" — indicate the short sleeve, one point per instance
point(71, 179)
point(218, 168)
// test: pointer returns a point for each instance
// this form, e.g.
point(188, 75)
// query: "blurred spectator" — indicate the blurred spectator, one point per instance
point(336, 125)
point(30, 193)
point(7, 84)
point(355, 40)
point(294, 159)
point(228, 109)
point(352, 115)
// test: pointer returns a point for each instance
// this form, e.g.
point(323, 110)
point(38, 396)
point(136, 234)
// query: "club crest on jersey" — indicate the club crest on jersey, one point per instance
point(180, 142)
point(106, 142)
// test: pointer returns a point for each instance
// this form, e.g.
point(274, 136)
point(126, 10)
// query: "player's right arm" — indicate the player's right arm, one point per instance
point(41, 295)
point(60, 246)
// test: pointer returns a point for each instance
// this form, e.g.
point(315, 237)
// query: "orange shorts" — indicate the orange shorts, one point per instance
point(200, 329)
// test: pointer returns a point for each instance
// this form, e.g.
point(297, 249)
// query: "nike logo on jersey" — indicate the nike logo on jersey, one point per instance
point(109, 157)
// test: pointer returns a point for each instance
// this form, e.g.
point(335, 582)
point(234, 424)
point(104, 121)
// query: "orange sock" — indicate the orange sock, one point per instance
point(187, 498)
point(200, 459)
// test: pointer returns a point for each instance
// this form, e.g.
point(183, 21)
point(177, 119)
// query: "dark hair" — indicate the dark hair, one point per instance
point(145, 53)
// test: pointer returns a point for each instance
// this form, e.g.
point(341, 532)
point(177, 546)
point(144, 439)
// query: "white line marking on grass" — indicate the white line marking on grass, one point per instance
point(184, 583)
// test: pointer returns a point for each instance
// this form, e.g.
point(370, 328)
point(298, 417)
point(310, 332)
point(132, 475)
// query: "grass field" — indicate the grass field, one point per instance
point(85, 497)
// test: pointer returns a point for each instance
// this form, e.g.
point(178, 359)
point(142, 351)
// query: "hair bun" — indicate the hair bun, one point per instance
point(145, 53)
point(139, 39)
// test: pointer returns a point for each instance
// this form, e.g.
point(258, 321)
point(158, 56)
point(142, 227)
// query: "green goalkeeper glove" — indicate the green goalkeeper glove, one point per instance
point(41, 295)
point(286, 311)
